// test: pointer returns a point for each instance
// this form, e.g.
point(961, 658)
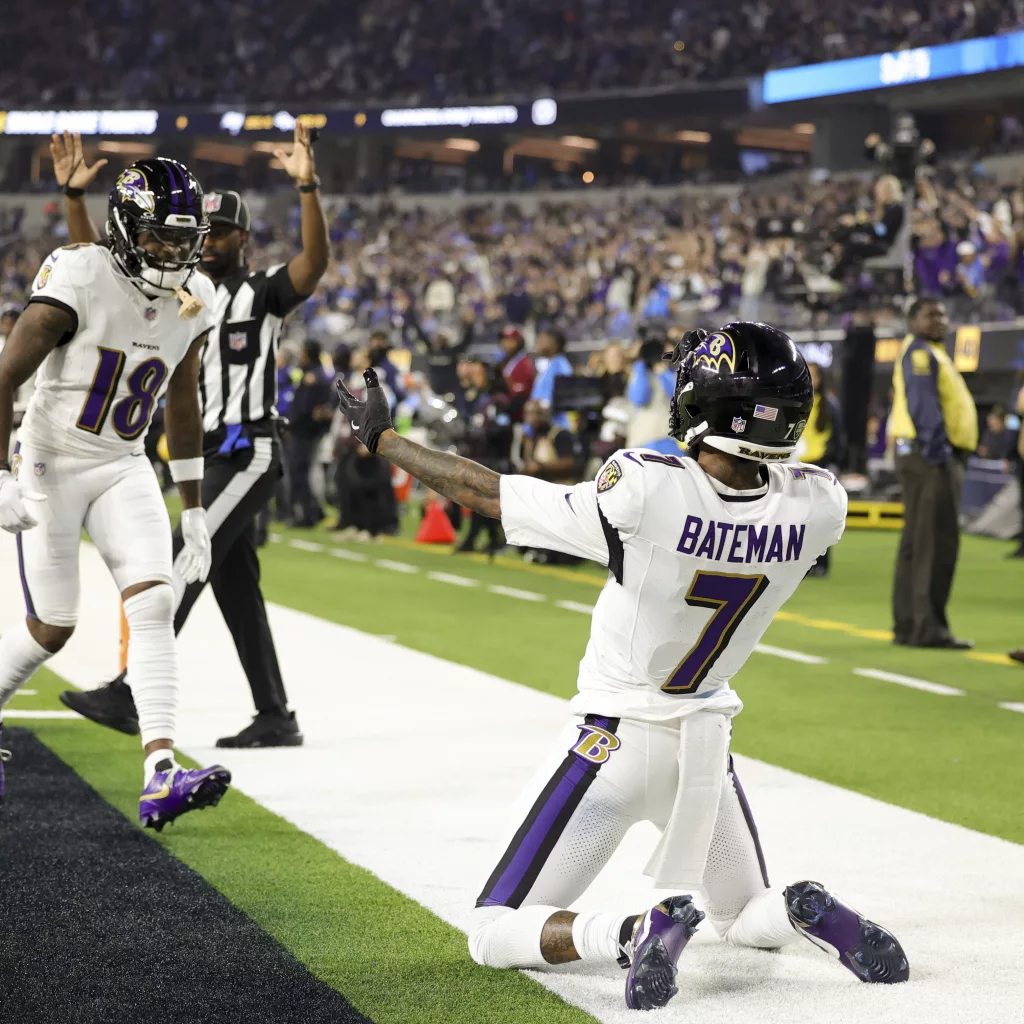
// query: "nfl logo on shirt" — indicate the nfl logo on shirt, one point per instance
point(150, 313)
point(40, 468)
point(237, 341)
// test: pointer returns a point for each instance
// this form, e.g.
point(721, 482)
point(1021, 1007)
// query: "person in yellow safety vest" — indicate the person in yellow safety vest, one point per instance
point(934, 423)
point(823, 442)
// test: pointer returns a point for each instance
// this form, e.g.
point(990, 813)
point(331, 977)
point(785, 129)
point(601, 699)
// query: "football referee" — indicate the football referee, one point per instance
point(242, 444)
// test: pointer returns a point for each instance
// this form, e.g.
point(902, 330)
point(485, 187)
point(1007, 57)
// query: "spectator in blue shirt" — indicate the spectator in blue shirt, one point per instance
point(651, 386)
point(551, 362)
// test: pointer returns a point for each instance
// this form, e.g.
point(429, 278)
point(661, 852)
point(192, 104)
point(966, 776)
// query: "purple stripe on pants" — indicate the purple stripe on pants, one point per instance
point(749, 819)
point(542, 825)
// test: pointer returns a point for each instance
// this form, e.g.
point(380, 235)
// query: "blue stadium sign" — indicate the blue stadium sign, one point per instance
point(902, 67)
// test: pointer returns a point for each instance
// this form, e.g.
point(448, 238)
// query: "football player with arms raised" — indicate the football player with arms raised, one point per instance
point(110, 328)
point(701, 552)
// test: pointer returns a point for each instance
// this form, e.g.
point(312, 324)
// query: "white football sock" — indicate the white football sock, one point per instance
point(153, 661)
point(596, 936)
point(152, 760)
point(20, 656)
point(763, 922)
point(503, 937)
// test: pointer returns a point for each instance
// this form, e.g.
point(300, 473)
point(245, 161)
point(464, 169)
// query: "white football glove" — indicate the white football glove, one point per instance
point(197, 555)
point(14, 516)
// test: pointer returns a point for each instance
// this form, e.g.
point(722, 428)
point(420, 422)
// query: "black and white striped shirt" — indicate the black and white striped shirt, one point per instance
point(238, 379)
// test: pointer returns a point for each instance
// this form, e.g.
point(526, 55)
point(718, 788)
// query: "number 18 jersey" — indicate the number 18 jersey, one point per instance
point(696, 571)
point(97, 390)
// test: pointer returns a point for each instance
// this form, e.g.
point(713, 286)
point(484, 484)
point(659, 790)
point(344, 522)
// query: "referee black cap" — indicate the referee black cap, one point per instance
point(228, 208)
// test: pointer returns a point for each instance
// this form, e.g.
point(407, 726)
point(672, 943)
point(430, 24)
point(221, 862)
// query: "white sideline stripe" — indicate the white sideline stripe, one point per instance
point(1013, 707)
point(917, 684)
point(69, 715)
point(273, 538)
point(522, 595)
point(782, 652)
point(352, 556)
point(576, 606)
point(387, 563)
point(24, 693)
point(457, 581)
point(305, 545)
point(451, 801)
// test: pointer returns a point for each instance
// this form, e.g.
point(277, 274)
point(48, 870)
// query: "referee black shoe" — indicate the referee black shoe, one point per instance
point(111, 705)
point(267, 729)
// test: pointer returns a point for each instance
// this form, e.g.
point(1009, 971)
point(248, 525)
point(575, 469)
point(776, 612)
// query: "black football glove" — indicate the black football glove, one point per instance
point(369, 418)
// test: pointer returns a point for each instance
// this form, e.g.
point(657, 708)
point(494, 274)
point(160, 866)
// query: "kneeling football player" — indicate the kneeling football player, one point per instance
point(701, 553)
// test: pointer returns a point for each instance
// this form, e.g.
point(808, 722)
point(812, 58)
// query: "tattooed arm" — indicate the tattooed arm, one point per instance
point(474, 486)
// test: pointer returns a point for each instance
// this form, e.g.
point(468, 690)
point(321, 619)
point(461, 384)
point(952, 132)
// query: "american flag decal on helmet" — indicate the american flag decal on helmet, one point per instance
point(766, 412)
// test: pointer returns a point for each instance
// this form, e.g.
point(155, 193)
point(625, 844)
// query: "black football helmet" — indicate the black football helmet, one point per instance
point(161, 198)
point(744, 390)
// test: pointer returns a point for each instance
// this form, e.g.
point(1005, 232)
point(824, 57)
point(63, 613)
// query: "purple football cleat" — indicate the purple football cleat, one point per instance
point(860, 945)
point(659, 938)
point(5, 755)
point(170, 794)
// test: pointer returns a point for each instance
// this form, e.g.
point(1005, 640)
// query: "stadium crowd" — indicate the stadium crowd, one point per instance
point(124, 51)
point(444, 301)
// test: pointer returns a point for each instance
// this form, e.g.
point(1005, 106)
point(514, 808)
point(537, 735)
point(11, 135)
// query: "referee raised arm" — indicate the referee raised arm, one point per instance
point(242, 448)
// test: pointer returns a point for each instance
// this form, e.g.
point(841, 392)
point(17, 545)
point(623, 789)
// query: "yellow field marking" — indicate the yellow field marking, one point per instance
point(592, 580)
point(992, 659)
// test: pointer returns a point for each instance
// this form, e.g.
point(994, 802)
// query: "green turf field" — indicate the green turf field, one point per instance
point(956, 758)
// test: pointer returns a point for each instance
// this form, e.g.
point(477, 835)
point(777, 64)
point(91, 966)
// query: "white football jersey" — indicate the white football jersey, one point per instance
point(696, 571)
point(97, 390)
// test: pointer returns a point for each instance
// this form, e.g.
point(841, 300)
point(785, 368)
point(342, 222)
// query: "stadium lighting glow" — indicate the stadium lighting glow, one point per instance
point(579, 142)
point(804, 129)
point(679, 46)
point(431, 117)
point(85, 122)
point(466, 145)
point(901, 67)
point(588, 177)
point(703, 138)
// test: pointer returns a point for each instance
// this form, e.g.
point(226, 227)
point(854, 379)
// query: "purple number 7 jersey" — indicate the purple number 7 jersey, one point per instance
point(696, 573)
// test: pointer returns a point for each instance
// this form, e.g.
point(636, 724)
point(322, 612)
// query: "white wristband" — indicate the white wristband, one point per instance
point(186, 469)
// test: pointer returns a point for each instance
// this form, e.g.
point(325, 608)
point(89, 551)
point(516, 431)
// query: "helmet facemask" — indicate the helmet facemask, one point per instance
point(161, 255)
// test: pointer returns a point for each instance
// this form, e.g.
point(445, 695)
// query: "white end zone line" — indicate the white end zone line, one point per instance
point(352, 556)
point(456, 581)
point(916, 684)
point(305, 545)
point(387, 563)
point(782, 652)
point(522, 595)
point(576, 606)
point(1013, 707)
point(69, 715)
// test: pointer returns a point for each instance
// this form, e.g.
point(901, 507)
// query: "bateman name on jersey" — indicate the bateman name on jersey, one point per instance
point(741, 543)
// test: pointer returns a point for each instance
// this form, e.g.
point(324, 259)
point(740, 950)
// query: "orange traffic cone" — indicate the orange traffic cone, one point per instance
point(436, 527)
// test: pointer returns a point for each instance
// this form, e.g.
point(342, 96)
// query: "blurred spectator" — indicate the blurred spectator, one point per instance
point(440, 354)
point(366, 498)
point(311, 414)
point(377, 353)
point(381, 49)
point(488, 441)
point(651, 386)
point(549, 452)
point(823, 442)
point(997, 442)
point(517, 370)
